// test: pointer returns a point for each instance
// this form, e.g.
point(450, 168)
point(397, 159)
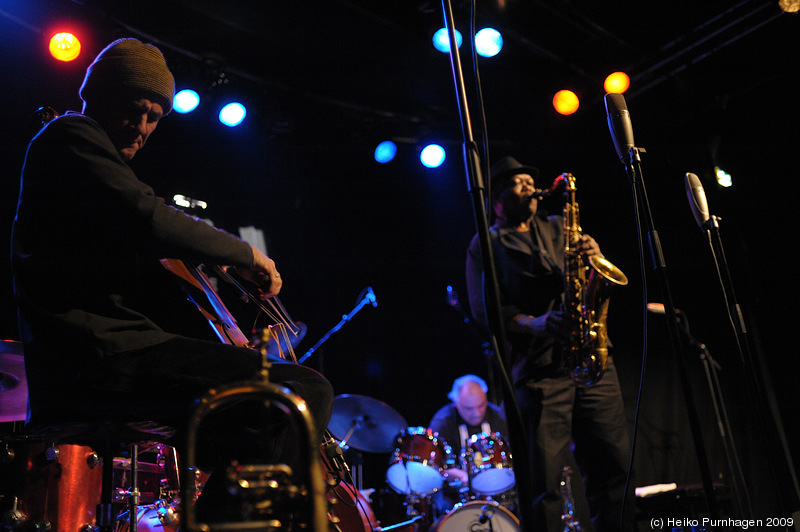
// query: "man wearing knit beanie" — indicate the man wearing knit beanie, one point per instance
point(113, 339)
point(128, 73)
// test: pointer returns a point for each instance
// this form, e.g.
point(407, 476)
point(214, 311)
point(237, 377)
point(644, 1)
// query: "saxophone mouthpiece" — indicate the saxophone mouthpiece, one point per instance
point(540, 193)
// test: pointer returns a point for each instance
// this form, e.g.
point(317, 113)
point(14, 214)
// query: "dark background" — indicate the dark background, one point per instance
point(713, 83)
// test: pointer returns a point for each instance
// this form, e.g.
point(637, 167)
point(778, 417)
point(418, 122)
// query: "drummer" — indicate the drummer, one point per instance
point(469, 413)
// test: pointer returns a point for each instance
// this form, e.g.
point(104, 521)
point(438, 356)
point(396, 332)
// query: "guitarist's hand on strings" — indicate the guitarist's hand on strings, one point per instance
point(263, 273)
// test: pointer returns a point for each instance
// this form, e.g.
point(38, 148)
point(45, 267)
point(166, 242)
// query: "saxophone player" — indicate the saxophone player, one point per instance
point(559, 414)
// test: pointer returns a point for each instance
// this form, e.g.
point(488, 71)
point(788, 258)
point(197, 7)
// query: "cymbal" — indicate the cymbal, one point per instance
point(365, 423)
point(13, 384)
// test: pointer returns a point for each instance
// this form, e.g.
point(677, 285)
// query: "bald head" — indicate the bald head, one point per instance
point(471, 403)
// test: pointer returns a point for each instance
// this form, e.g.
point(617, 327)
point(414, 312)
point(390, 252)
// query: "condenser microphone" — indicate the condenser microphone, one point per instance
point(619, 123)
point(697, 199)
point(371, 297)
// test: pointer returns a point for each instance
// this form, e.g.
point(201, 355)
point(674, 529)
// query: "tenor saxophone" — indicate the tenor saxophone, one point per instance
point(587, 284)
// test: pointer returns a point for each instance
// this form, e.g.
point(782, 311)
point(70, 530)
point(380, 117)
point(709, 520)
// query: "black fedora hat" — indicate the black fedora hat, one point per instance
point(507, 167)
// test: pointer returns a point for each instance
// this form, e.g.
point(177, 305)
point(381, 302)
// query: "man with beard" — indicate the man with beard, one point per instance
point(559, 414)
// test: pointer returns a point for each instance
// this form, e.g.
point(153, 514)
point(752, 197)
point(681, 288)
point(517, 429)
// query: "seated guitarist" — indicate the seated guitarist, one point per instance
point(107, 333)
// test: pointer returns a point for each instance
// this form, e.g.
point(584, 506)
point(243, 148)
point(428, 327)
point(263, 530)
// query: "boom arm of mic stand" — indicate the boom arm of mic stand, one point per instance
point(345, 319)
point(498, 338)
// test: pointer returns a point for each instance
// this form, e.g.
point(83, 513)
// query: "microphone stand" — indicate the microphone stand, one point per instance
point(475, 185)
point(368, 298)
point(711, 368)
point(751, 370)
point(645, 220)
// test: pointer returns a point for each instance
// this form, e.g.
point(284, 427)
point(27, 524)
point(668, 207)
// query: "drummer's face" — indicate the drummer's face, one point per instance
point(472, 404)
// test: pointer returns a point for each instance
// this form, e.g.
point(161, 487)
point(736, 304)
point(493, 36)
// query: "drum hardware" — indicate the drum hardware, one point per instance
point(569, 522)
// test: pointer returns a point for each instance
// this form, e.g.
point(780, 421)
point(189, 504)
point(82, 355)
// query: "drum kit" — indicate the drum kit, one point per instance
point(416, 470)
point(47, 486)
point(44, 486)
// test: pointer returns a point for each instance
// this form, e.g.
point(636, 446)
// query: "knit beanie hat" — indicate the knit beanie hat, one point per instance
point(130, 64)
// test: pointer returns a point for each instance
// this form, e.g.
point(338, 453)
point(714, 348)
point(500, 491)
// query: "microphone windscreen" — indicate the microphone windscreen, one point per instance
point(697, 199)
point(619, 124)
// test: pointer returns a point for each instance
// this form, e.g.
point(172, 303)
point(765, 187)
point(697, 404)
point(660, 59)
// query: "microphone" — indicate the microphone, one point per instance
point(371, 297)
point(697, 199)
point(619, 123)
point(486, 514)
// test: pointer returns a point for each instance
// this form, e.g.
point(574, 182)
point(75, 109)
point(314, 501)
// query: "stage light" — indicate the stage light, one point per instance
point(65, 47)
point(232, 114)
point(617, 83)
point(789, 6)
point(566, 102)
point(186, 101)
point(385, 151)
point(488, 42)
point(724, 179)
point(432, 156)
point(441, 40)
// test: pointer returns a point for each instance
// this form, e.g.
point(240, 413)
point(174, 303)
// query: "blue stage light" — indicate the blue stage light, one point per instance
point(488, 42)
point(441, 40)
point(432, 156)
point(186, 101)
point(232, 114)
point(385, 151)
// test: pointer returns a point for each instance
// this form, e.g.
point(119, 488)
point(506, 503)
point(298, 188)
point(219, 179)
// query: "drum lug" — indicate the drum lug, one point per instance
point(44, 526)
point(93, 460)
point(14, 519)
point(51, 453)
point(7, 454)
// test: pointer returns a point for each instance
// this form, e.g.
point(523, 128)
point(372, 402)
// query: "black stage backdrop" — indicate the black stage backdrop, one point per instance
point(336, 222)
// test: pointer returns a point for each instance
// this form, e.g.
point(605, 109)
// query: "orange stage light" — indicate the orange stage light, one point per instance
point(617, 83)
point(566, 102)
point(65, 47)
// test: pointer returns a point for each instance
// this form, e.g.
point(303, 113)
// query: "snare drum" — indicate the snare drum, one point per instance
point(478, 516)
point(488, 461)
point(418, 462)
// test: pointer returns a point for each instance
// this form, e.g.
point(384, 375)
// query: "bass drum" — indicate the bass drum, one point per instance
point(152, 518)
point(468, 517)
